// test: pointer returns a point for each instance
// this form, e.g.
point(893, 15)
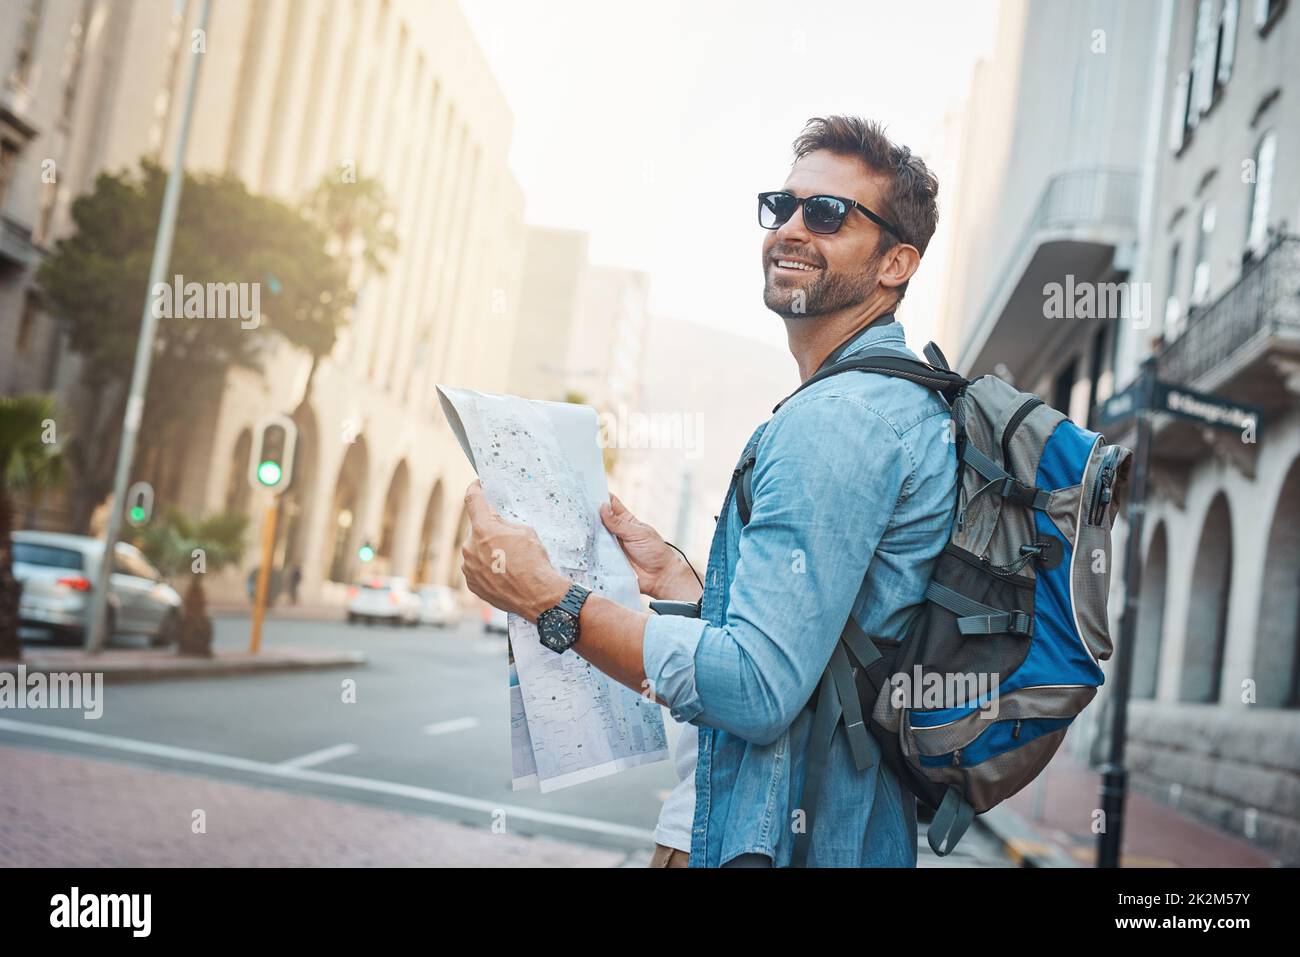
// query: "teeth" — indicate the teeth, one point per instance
point(791, 264)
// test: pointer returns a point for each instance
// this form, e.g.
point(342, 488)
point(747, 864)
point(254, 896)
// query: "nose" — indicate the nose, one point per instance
point(793, 231)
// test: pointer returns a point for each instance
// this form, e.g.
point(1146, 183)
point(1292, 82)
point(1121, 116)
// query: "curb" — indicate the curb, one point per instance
point(168, 665)
point(1021, 841)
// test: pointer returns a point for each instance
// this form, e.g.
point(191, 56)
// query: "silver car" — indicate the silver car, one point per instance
point(58, 573)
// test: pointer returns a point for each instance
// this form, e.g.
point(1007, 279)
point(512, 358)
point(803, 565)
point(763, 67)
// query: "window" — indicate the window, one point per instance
point(1173, 310)
point(1063, 388)
point(27, 44)
point(1267, 11)
point(1261, 191)
point(1227, 42)
point(1201, 271)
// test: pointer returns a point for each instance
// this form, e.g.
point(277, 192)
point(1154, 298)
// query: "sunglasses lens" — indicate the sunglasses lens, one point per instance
point(774, 209)
point(823, 214)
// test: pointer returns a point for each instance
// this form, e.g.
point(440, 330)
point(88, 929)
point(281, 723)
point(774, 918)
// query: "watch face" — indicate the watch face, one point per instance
point(557, 629)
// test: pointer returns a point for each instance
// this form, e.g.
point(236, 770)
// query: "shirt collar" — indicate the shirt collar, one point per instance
point(885, 328)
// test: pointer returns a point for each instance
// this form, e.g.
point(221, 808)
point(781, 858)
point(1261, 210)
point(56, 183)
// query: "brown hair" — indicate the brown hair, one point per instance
point(910, 203)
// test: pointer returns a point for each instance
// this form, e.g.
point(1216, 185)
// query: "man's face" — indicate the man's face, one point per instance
point(845, 266)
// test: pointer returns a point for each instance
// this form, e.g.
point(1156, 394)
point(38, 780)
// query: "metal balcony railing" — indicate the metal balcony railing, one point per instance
point(1264, 301)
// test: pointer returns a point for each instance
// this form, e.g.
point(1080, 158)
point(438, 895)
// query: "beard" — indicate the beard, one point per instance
point(823, 292)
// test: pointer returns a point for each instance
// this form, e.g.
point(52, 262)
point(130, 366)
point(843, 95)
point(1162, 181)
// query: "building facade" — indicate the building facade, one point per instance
point(290, 92)
point(1140, 207)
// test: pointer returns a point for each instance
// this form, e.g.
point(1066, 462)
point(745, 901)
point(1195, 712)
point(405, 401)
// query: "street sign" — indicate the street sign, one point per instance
point(1203, 407)
point(1120, 406)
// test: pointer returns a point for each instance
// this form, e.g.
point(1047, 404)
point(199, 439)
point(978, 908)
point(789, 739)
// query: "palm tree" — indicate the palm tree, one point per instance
point(180, 545)
point(29, 464)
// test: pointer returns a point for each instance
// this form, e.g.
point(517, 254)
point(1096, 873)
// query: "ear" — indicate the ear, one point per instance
point(898, 265)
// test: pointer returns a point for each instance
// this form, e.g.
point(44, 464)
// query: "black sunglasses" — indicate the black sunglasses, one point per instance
point(821, 214)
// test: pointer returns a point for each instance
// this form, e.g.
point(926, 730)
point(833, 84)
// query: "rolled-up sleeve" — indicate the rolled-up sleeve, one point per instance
point(828, 477)
point(668, 653)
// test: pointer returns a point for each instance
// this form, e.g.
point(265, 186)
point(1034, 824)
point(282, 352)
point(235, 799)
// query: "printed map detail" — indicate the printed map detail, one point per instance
point(540, 464)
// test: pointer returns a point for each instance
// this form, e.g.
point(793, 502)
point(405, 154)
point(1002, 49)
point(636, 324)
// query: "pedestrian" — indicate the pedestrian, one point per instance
point(852, 498)
point(295, 579)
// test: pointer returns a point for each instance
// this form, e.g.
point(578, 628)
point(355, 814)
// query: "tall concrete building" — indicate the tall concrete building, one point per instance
point(1215, 727)
point(1124, 193)
point(290, 92)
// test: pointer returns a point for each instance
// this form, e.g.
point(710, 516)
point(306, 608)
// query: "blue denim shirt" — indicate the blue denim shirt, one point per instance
point(853, 492)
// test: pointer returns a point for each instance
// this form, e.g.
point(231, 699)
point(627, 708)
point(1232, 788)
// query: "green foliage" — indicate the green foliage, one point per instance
point(28, 464)
point(171, 542)
point(356, 218)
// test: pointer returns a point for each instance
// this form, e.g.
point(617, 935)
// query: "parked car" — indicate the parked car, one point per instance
point(383, 599)
point(59, 572)
point(495, 620)
point(438, 606)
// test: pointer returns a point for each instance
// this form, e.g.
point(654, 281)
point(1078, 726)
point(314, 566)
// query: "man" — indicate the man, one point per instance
point(853, 490)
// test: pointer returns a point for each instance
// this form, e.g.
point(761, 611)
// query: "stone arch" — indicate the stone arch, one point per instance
point(1151, 616)
point(238, 492)
point(426, 559)
point(346, 517)
point(1277, 649)
point(454, 578)
point(1207, 607)
point(393, 514)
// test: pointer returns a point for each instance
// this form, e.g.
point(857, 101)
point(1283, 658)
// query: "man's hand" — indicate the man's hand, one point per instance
point(506, 564)
point(660, 571)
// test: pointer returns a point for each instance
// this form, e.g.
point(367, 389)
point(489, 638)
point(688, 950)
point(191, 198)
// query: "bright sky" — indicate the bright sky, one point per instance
point(652, 125)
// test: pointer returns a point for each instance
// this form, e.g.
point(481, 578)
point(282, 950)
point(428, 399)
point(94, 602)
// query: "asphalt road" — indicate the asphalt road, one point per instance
point(428, 732)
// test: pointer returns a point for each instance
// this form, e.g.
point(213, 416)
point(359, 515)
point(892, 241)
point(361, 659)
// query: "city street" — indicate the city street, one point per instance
point(427, 737)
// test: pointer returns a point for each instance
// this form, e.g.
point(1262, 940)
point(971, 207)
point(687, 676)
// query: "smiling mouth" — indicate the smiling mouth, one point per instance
point(794, 265)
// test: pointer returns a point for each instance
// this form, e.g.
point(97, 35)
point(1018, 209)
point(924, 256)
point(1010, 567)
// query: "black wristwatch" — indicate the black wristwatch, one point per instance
point(558, 626)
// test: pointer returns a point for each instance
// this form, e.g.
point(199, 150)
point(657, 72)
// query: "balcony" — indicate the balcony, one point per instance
point(1227, 344)
point(1245, 346)
point(16, 246)
point(1081, 220)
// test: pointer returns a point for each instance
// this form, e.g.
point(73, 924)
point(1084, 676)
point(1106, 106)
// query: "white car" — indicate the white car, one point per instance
point(438, 606)
point(384, 599)
point(58, 573)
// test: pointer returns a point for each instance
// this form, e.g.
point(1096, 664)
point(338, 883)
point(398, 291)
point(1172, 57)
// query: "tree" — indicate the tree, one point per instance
point(95, 280)
point(179, 545)
point(29, 464)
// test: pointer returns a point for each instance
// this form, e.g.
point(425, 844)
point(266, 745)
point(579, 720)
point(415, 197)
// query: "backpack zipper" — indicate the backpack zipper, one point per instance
point(1013, 423)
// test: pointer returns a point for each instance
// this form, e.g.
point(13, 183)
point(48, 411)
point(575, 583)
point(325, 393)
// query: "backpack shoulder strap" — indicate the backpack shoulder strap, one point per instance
point(880, 361)
point(888, 362)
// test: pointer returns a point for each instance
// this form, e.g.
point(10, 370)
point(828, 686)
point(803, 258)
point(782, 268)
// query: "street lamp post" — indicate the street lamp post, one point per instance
point(1114, 779)
point(162, 252)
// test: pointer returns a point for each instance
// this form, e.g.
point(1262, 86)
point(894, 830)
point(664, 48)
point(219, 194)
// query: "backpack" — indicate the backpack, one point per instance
point(1018, 595)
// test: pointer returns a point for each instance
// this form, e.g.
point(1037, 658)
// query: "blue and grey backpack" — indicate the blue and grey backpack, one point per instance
point(1004, 651)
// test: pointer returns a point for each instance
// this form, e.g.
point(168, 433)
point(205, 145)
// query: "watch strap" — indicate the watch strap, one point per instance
point(573, 599)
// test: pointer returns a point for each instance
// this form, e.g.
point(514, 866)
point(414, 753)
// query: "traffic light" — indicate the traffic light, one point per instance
point(365, 552)
point(139, 503)
point(270, 465)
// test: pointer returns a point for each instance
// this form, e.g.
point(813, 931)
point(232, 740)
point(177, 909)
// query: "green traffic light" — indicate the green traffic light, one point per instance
point(365, 553)
point(268, 472)
point(137, 513)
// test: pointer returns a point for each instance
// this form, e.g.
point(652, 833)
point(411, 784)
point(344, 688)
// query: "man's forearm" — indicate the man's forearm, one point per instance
point(612, 637)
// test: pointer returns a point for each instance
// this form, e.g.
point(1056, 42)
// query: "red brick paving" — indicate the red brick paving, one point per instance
point(59, 810)
point(1155, 835)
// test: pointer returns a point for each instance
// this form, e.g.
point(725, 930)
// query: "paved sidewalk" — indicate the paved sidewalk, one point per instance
point(152, 664)
point(59, 810)
point(1049, 824)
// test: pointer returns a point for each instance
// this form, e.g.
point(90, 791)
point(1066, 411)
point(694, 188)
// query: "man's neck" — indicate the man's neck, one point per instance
point(813, 339)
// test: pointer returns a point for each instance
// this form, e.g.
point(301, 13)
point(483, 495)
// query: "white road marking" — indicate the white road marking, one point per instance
point(428, 795)
point(447, 727)
point(320, 757)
